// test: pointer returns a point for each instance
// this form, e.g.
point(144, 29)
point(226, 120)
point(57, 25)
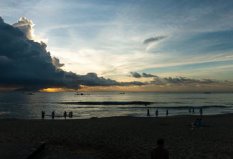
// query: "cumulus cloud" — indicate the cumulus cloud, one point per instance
point(138, 75)
point(26, 26)
point(27, 65)
point(153, 39)
point(56, 62)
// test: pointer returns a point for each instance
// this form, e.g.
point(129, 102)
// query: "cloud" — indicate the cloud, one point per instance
point(91, 79)
point(27, 65)
point(135, 74)
point(26, 26)
point(138, 75)
point(182, 81)
point(56, 62)
point(148, 75)
point(178, 81)
point(153, 39)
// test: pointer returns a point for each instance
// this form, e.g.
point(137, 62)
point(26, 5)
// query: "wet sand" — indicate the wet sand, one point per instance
point(124, 137)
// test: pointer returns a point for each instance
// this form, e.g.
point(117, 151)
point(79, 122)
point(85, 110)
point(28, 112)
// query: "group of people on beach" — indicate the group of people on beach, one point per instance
point(191, 110)
point(156, 112)
point(70, 114)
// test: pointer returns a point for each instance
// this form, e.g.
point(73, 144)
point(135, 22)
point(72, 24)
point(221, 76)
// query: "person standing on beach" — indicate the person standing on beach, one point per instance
point(148, 112)
point(167, 112)
point(42, 114)
point(160, 152)
point(70, 114)
point(189, 110)
point(65, 114)
point(201, 111)
point(53, 114)
point(157, 113)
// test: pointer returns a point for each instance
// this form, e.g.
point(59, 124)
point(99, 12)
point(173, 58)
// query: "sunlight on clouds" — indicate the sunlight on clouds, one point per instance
point(27, 26)
point(52, 90)
point(163, 88)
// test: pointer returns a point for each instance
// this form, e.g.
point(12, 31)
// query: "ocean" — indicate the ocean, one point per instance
point(106, 104)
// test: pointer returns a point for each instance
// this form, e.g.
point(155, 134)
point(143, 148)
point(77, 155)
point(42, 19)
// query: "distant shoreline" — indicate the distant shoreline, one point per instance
point(61, 118)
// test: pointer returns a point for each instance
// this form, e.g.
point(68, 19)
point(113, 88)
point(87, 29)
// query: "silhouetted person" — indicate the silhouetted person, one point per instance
point(65, 114)
point(160, 152)
point(42, 114)
point(157, 113)
point(70, 114)
point(193, 110)
point(167, 112)
point(53, 114)
point(201, 111)
point(189, 110)
point(148, 112)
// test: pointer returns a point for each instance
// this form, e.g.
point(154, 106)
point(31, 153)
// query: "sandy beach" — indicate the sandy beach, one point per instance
point(124, 137)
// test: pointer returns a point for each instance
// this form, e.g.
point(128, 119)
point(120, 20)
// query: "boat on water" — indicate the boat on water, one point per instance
point(81, 94)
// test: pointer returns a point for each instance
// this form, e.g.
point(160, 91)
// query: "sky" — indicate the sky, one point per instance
point(159, 45)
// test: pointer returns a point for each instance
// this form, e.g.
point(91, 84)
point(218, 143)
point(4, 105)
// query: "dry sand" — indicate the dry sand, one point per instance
point(124, 137)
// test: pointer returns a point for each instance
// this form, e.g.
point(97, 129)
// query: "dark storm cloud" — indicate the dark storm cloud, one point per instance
point(138, 75)
point(153, 39)
point(27, 65)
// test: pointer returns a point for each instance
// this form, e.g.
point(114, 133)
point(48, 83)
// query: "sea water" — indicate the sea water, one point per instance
point(93, 104)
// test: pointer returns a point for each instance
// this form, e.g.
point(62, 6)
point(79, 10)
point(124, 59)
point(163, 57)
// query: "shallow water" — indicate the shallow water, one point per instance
point(105, 104)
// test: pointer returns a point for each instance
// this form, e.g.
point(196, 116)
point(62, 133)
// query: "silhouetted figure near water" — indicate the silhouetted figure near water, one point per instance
point(167, 112)
point(65, 114)
point(70, 114)
point(53, 114)
point(42, 114)
point(189, 110)
point(160, 152)
point(157, 113)
point(148, 112)
point(193, 110)
point(201, 111)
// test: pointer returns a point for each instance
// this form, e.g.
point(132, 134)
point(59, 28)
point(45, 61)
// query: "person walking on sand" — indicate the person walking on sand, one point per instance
point(160, 152)
point(166, 112)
